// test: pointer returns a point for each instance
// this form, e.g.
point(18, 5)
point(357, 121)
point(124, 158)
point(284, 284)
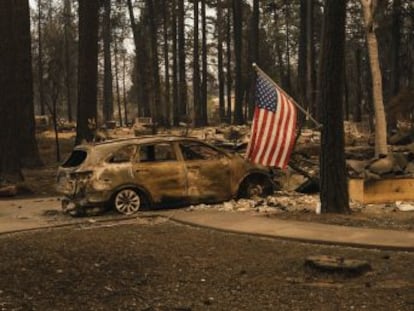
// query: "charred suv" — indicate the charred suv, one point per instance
point(129, 174)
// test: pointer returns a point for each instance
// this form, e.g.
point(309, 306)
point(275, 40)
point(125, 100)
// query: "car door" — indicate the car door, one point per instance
point(208, 172)
point(159, 171)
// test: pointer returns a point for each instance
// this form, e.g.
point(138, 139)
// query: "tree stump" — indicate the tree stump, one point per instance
point(337, 264)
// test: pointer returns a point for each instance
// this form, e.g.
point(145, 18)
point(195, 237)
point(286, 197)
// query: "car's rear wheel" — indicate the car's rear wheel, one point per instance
point(128, 201)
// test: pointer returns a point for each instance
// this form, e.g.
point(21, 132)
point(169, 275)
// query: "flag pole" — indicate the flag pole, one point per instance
point(259, 70)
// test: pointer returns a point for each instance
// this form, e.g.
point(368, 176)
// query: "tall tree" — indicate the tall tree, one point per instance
point(196, 68)
point(108, 105)
point(229, 78)
point(334, 187)
point(157, 106)
point(10, 168)
point(28, 151)
point(88, 70)
point(175, 91)
point(167, 101)
point(369, 9)
point(67, 11)
point(220, 25)
point(204, 64)
point(40, 57)
point(253, 56)
point(238, 51)
point(182, 102)
point(395, 46)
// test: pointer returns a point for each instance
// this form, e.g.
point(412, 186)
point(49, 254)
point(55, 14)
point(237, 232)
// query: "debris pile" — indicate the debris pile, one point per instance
point(281, 201)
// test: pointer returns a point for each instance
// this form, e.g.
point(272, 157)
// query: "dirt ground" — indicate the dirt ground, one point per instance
point(160, 265)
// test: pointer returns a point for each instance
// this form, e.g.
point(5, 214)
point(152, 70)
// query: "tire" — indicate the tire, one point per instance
point(255, 186)
point(128, 201)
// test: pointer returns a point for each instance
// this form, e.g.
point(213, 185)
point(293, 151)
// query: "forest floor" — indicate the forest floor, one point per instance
point(154, 264)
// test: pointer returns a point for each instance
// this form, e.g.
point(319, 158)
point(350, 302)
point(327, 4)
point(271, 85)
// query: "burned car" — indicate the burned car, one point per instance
point(134, 173)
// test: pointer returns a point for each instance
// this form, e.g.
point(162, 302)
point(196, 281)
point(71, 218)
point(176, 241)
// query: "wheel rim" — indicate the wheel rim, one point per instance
point(127, 202)
point(255, 189)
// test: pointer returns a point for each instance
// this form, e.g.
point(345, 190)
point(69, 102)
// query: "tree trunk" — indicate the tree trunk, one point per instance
point(288, 86)
point(204, 65)
point(88, 70)
point(368, 7)
point(253, 57)
point(167, 106)
point(176, 107)
point(68, 69)
point(140, 64)
point(10, 169)
point(157, 106)
point(357, 113)
point(229, 69)
point(220, 63)
point(124, 94)
point(238, 52)
point(108, 105)
point(395, 55)
point(310, 58)
point(334, 187)
point(28, 151)
point(40, 58)
point(118, 91)
point(196, 69)
point(182, 101)
point(302, 53)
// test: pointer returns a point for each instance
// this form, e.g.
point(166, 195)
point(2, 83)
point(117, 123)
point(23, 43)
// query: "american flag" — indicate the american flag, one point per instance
point(274, 126)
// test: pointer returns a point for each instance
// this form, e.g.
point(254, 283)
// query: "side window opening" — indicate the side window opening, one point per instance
point(76, 158)
point(197, 151)
point(124, 154)
point(156, 153)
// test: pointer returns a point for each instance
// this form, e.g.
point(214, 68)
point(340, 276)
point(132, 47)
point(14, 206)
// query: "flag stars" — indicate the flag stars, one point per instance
point(266, 96)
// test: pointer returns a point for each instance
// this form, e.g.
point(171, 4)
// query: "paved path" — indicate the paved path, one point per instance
point(259, 224)
point(24, 214)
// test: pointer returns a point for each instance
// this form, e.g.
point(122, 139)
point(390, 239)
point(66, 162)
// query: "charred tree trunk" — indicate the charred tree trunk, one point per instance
point(157, 108)
point(302, 53)
point(176, 108)
point(167, 102)
point(68, 69)
point(124, 95)
point(28, 151)
point(204, 64)
point(238, 52)
point(10, 169)
point(310, 58)
point(334, 187)
point(118, 91)
point(88, 70)
point(196, 69)
point(40, 58)
point(108, 105)
point(182, 82)
point(220, 63)
point(357, 112)
point(229, 69)
point(253, 56)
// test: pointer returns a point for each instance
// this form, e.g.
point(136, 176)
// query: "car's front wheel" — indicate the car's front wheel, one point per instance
point(128, 201)
point(255, 186)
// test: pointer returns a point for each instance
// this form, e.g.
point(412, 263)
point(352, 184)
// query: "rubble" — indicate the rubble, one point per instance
point(280, 201)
